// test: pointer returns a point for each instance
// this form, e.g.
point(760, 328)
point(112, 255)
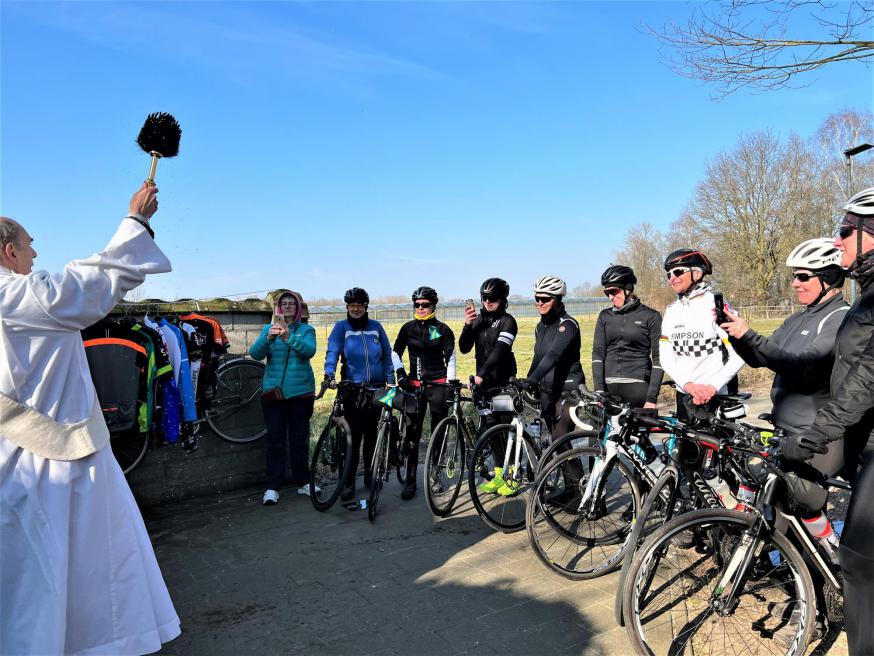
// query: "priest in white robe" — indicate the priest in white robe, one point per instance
point(78, 574)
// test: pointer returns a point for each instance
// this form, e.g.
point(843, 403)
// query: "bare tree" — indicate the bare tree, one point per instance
point(838, 132)
point(754, 205)
point(747, 43)
point(586, 290)
point(644, 251)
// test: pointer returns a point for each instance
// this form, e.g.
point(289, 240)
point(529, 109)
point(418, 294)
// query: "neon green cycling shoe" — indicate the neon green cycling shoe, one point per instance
point(495, 484)
point(509, 488)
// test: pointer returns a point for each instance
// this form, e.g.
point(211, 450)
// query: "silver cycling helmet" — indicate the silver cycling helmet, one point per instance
point(552, 285)
point(814, 254)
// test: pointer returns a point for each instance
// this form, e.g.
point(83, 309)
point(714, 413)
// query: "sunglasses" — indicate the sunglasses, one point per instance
point(803, 277)
point(611, 291)
point(676, 273)
point(424, 305)
point(845, 231)
point(490, 299)
point(543, 300)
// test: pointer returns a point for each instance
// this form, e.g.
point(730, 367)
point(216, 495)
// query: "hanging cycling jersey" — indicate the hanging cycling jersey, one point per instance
point(116, 365)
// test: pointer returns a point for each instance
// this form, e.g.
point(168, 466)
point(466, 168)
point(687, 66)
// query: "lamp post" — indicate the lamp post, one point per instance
point(849, 153)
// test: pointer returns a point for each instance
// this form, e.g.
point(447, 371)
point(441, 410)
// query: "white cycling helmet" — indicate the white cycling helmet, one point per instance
point(814, 254)
point(552, 285)
point(862, 204)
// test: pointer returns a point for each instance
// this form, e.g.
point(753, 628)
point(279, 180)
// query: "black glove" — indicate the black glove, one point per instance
point(402, 379)
point(801, 448)
point(524, 384)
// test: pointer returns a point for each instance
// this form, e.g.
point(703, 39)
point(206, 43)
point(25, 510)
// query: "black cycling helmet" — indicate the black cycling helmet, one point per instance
point(356, 295)
point(428, 293)
point(495, 289)
point(687, 257)
point(619, 276)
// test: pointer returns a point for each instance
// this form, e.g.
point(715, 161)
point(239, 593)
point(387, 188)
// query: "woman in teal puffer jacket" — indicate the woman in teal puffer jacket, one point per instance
point(288, 344)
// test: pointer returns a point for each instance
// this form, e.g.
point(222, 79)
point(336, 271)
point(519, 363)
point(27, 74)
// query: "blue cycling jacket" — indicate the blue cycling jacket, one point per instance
point(366, 353)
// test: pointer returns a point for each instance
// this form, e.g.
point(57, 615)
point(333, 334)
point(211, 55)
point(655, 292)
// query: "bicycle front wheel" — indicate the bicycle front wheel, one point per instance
point(671, 600)
point(499, 490)
point(579, 515)
point(331, 464)
point(129, 448)
point(379, 468)
point(444, 466)
point(235, 413)
point(657, 509)
point(573, 440)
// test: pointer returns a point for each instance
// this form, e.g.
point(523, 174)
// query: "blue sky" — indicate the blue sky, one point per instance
point(383, 145)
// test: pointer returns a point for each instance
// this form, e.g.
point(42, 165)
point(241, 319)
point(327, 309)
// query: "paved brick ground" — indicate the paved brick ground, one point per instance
point(288, 580)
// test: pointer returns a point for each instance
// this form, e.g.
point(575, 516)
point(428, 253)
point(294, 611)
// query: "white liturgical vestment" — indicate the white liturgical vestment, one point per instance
point(78, 574)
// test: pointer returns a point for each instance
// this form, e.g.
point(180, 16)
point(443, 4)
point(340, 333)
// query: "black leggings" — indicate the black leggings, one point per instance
point(433, 398)
point(857, 560)
point(363, 417)
point(633, 393)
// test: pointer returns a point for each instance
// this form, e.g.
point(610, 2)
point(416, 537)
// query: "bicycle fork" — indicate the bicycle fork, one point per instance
point(514, 447)
point(593, 485)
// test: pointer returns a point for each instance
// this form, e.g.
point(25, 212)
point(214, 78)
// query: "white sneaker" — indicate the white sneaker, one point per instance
point(306, 489)
point(270, 498)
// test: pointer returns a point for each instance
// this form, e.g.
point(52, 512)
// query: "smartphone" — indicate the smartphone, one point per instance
point(278, 317)
point(469, 303)
point(719, 304)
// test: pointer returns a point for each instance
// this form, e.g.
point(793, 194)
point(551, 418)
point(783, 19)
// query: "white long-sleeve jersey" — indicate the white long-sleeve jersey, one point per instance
point(692, 348)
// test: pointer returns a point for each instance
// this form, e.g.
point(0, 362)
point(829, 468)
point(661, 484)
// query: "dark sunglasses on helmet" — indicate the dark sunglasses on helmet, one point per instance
point(543, 300)
point(845, 231)
point(422, 304)
point(611, 291)
point(676, 273)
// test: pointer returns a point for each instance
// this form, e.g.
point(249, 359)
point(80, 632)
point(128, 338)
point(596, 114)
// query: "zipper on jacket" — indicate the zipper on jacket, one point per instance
point(366, 358)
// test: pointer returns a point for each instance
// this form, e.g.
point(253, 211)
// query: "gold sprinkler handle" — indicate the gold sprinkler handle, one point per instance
point(150, 181)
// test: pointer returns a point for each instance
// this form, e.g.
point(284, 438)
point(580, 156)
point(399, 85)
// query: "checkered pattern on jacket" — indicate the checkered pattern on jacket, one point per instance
point(696, 348)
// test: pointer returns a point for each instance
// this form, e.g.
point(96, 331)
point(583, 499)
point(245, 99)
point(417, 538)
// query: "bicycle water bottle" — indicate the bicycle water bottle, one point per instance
point(821, 528)
point(746, 496)
point(655, 463)
point(534, 429)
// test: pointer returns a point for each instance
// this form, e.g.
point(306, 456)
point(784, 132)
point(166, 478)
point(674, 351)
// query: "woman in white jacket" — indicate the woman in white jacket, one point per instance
point(693, 350)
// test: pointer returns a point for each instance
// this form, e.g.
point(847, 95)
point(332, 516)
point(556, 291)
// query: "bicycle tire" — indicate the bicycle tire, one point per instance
point(330, 464)
point(581, 543)
point(129, 448)
point(642, 527)
point(379, 468)
point(502, 513)
point(444, 465)
point(403, 450)
point(565, 442)
point(780, 563)
point(235, 413)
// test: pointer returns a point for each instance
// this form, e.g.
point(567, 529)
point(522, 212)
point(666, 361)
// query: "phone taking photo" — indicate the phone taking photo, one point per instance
point(278, 318)
point(470, 304)
point(719, 305)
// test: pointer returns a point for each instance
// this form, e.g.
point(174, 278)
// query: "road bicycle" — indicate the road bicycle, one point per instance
point(586, 502)
point(234, 411)
point(717, 580)
point(505, 460)
point(703, 470)
point(330, 465)
point(392, 448)
point(451, 440)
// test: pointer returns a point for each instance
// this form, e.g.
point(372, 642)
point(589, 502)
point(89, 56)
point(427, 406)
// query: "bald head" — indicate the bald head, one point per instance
point(16, 252)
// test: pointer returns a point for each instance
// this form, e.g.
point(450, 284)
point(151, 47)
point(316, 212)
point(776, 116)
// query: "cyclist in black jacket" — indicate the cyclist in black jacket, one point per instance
point(625, 352)
point(556, 364)
point(432, 359)
point(492, 333)
point(849, 416)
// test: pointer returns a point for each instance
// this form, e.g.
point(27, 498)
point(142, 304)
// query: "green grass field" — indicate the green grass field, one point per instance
point(523, 348)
